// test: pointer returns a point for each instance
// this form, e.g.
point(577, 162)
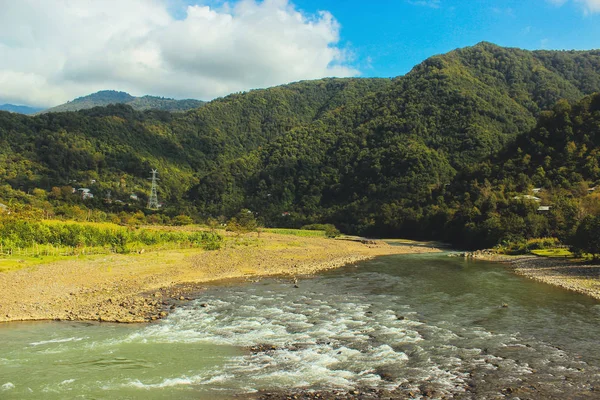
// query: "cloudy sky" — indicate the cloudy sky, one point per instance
point(52, 51)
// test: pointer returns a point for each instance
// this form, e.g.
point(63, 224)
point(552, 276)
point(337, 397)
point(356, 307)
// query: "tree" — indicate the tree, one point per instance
point(587, 236)
point(182, 220)
point(243, 222)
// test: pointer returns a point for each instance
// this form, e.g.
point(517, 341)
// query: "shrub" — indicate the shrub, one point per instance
point(330, 230)
point(182, 220)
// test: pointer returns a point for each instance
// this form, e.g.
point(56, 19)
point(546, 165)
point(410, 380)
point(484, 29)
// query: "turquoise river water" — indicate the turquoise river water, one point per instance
point(396, 321)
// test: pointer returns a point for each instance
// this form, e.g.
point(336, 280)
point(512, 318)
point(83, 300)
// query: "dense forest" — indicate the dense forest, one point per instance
point(453, 151)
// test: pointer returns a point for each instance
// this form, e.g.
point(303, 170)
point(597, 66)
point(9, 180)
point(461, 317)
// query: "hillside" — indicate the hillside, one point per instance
point(416, 156)
point(107, 97)
point(377, 164)
point(19, 109)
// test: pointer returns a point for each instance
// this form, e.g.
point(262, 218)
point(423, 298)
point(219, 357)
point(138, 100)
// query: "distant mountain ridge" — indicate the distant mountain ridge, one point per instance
point(107, 97)
point(27, 110)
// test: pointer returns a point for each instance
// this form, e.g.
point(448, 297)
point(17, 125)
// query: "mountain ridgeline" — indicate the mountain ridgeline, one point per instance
point(20, 109)
point(108, 97)
point(450, 151)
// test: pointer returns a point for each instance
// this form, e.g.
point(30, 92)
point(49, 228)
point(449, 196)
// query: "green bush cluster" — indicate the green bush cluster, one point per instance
point(330, 230)
point(15, 234)
point(526, 246)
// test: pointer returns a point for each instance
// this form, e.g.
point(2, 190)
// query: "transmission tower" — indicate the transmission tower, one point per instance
point(153, 200)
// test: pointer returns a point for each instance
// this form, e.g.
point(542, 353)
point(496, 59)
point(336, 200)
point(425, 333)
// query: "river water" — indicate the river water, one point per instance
point(407, 322)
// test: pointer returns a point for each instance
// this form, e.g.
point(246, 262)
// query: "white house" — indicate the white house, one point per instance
point(528, 197)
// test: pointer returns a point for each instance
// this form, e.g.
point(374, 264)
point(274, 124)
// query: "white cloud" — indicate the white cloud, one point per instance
point(592, 6)
point(589, 6)
point(54, 50)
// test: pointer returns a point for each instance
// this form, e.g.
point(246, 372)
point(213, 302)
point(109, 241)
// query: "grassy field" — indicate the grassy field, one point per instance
point(296, 232)
point(560, 252)
point(25, 243)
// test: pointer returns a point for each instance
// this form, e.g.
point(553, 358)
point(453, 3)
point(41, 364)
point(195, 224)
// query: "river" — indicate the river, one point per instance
point(458, 328)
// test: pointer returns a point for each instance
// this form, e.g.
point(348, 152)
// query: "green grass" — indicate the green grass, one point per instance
point(552, 253)
point(296, 232)
point(15, 262)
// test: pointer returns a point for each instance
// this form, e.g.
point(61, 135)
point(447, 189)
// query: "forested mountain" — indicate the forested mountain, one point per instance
point(107, 97)
point(420, 155)
point(20, 109)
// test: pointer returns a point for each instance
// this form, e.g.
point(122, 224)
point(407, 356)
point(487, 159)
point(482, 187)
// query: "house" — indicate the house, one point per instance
point(592, 190)
point(133, 197)
point(537, 190)
point(85, 193)
point(528, 197)
point(285, 214)
point(544, 208)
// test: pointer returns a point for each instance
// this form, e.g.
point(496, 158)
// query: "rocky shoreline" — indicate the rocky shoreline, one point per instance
point(146, 287)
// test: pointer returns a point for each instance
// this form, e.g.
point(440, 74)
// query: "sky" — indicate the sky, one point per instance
point(52, 51)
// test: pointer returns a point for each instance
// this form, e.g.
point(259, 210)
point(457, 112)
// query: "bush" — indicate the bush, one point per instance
point(587, 236)
point(182, 220)
point(243, 222)
point(330, 230)
point(523, 246)
point(15, 234)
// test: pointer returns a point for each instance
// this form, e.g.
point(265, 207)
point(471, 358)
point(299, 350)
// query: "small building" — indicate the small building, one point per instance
point(85, 193)
point(285, 214)
point(537, 190)
point(592, 190)
point(544, 208)
point(528, 197)
point(133, 196)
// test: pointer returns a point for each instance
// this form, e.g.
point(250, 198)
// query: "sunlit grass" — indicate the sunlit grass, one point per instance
point(296, 232)
point(560, 252)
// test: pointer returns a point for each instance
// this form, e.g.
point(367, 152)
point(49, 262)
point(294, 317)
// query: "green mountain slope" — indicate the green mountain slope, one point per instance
point(117, 146)
point(409, 156)
point(377, 163)
point(107, 97)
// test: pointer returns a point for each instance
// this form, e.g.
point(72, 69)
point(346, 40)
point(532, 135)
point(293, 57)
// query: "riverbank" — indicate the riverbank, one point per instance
point(572, 274)
point(144, 287)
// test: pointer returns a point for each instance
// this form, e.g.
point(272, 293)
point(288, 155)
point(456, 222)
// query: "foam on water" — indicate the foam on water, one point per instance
point(52, 341)
point(7, 386)
point(343, 342)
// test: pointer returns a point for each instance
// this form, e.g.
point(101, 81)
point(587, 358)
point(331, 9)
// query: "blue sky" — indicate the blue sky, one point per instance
point(395, 35)
point(52, 51)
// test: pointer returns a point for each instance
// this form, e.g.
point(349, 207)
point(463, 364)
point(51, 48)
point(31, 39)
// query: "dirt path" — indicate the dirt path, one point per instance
point(143, 287)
